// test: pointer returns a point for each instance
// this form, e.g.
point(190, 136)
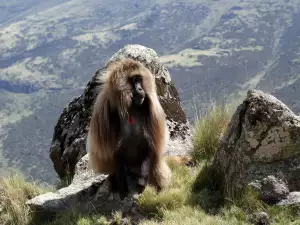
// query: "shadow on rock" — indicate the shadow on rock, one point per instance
point(207, 190)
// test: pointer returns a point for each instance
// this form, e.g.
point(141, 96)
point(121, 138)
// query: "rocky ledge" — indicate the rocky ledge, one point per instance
point(88, 193)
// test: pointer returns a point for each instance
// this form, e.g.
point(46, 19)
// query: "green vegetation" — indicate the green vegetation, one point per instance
point(194, 196)
point(209, 129)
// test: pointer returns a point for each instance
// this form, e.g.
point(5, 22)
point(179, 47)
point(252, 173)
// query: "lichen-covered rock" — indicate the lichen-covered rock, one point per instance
point(68, 143)
point(262, 140)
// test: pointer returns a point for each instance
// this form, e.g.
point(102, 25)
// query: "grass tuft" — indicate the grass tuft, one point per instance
point(171, 198)
point(209, 129)
point(14, 192)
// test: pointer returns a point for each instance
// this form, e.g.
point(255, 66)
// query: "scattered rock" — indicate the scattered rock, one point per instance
point(271, 189)
point(260, 148)
point(260, 218)
point(68, 143)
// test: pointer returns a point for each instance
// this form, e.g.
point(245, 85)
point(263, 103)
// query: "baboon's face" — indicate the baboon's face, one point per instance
point(138, 94)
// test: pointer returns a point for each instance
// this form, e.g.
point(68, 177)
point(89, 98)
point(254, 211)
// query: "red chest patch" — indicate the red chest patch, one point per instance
point(131, 120)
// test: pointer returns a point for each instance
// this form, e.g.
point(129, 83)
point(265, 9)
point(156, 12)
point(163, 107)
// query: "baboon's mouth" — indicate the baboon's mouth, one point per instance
point(138, 100)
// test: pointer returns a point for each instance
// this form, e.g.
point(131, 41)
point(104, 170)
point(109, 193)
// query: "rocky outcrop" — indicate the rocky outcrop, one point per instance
point(84, 185)
point(260, 149)
point(68, 143)
point(88, 193)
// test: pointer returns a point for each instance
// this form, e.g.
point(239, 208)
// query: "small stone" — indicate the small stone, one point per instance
point(260, 218)
point(273, 190)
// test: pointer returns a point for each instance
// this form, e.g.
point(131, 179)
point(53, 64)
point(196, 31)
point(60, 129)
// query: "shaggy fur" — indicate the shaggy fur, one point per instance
point(112, 109)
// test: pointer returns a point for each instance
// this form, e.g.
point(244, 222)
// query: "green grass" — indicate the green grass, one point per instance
point(209, 129)
point(181, 203)
point(173, 197)
point(95, 219)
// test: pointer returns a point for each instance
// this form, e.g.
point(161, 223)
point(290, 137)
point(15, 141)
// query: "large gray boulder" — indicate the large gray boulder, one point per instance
point(260, 149)
point(68, 143)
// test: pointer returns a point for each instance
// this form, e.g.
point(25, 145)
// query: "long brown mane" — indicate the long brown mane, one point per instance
point(114, 101)
point(115, 94)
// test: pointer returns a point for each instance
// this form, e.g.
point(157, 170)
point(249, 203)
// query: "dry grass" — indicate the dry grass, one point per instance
point(14, 192)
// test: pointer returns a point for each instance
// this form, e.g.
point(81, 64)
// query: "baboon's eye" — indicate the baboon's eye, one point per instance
point(137, 78)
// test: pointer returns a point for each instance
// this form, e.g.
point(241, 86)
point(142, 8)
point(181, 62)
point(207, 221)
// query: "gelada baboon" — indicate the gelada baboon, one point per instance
point(128, 127)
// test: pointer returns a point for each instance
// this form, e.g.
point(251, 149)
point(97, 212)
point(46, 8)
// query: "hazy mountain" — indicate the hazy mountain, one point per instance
point(215, 50)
